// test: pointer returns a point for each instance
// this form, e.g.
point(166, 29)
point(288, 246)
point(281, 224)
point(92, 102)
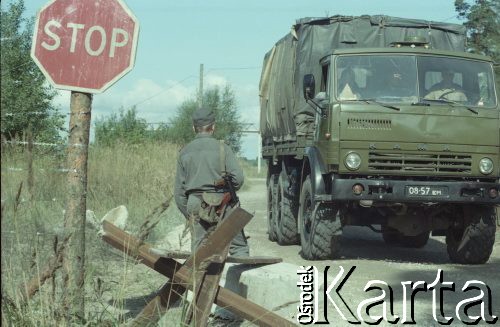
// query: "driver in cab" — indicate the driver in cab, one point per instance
point(446, 89)
point(348, 89)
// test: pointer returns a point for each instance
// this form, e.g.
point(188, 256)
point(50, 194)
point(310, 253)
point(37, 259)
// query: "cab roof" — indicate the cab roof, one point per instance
point(410, 50)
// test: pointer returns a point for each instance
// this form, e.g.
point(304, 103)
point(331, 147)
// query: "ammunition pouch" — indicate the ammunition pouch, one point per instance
point(212, 206)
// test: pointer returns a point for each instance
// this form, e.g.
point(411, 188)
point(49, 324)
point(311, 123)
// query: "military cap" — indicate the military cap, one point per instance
point(203, 117)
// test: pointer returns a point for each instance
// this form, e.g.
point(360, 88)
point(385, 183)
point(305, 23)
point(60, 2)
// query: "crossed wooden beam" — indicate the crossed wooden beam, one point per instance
point(200, 273)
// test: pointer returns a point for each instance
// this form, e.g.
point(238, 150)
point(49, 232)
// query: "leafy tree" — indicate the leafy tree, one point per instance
point(26, 97)
point(125, 127)
point(483, 27)
point(180, 128)
point(228, 126)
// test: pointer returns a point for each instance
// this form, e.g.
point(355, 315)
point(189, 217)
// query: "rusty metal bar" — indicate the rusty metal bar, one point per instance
point(215, 245)
point(207, 290)
point(219, 239)
point(254, 260)
point(182, 276)
point(168, 295)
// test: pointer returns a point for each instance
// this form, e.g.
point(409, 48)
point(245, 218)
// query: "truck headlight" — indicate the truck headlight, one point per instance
point(486, 166)
point(352, 161)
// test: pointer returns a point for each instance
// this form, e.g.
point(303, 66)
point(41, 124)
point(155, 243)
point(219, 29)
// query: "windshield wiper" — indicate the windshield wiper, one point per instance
point(450, 102)
point(370, 101)
point(420, 103)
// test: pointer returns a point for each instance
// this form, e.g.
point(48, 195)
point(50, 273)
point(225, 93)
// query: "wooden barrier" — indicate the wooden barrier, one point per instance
point(200, 273)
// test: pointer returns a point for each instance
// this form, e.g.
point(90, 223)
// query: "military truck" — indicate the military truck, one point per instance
point(382, 122)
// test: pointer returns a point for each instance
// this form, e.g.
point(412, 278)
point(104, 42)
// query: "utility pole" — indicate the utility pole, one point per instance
point(200, 94)
point(259, 149)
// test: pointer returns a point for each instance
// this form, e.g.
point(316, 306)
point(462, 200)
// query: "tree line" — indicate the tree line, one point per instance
point(127, 127)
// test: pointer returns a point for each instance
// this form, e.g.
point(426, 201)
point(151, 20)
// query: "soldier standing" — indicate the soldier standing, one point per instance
point(202, 163)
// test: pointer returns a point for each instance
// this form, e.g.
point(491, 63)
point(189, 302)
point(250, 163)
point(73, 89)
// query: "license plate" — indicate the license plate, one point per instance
point(415, 190)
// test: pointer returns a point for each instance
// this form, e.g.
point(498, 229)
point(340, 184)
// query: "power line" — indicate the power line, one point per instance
point(164, 90)
point(447, 19)
point(235, 68)
point(192, 76)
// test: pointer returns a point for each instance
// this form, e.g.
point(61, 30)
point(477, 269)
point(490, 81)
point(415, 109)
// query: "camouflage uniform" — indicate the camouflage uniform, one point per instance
point(198, 167)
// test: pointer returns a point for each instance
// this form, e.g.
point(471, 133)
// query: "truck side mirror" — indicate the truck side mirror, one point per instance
point(308, 86)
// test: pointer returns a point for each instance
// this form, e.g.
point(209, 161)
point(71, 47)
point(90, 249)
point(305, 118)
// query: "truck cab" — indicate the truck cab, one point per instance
point(391, 113)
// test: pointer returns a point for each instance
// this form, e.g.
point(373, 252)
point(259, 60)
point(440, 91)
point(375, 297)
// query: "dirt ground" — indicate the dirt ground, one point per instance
point(374, 260)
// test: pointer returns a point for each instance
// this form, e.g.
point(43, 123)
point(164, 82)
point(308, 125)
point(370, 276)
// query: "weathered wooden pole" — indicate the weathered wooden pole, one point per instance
point(30, 178)
point(84, 68)
point(200, 91)
point(74, 218)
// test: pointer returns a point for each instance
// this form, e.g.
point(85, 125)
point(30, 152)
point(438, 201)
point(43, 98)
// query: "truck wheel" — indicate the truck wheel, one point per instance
point(417, 241)
point(473, 243)
point(286, 219)
point(271, 208)
point(321, 229)
point(390, 235)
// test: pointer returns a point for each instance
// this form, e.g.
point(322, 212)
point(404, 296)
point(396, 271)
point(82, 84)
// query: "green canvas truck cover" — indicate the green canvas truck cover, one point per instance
point(284, 112)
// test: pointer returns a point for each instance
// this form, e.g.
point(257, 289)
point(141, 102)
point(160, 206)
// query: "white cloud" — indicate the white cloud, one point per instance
point(153, 101)
point(211, 80)
point(248, 103)
point(157, 102)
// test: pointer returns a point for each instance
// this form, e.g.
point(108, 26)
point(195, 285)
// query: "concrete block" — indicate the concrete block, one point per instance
point(117, 216)
point(270, 286)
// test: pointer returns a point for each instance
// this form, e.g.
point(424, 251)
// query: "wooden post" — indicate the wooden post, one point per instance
point(200, 91)
point(30, 162)
point(259, 152)
point(74, 218)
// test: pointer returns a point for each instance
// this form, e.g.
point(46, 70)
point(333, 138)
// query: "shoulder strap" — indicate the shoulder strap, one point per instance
point(222, 156)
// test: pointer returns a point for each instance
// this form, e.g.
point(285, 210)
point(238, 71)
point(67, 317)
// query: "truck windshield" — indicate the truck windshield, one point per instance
point(414, 79)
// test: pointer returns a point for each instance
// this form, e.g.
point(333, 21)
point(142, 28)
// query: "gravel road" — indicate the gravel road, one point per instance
point(374, 260)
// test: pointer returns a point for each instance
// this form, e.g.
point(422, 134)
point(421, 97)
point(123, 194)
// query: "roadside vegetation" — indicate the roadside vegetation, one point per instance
point(139, 176)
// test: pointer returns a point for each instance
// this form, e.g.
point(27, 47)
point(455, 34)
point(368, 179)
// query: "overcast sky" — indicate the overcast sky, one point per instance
point(230, 38)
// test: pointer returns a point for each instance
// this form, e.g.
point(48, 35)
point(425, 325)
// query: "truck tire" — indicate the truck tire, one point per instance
point(417, 241)
point(271, 208)
point(321, 229)
point(473, 243)
point(286, 220)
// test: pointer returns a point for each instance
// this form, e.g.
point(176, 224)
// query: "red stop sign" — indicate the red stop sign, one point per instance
point(85, 45)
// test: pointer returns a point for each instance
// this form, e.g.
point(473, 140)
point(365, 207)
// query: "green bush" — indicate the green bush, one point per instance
point(228, 126)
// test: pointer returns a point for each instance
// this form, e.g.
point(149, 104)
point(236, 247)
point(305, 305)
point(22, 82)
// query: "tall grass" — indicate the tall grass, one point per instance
point(138, 176)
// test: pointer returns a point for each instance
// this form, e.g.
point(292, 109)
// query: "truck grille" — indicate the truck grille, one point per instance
point(360, 123)
point(412, 162)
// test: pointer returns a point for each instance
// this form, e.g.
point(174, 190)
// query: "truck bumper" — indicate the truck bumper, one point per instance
point(413, 191)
